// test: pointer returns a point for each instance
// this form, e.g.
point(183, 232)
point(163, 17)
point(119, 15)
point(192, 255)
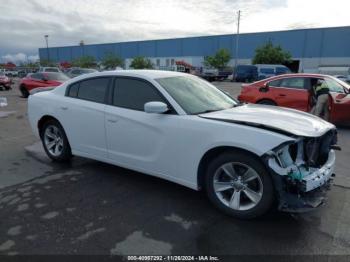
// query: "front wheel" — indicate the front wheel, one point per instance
point(239, 185)
point(55, 141)
point(24, 91)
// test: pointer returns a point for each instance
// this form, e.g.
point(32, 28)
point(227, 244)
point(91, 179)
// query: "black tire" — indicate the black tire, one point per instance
point(66, 153)
point(24, 91)
point(267, 102)
point(266, 196)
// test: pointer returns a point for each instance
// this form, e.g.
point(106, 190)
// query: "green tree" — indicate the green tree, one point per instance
point(44, 62)
point(111, 61)
point(270, 54)
point(84, 62)
point(219, 60)
point(140, 62)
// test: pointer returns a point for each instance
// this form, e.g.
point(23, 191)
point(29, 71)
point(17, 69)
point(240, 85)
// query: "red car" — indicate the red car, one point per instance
point(295, 91)
point(36, 80)
point(5, 82)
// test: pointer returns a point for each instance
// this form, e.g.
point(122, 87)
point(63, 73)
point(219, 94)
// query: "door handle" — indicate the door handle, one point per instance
point(64, 107)
point(112, 120)
point(281, 95)
point(338, 101)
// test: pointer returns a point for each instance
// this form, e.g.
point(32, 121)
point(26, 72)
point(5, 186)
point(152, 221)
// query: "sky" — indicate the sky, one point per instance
point(23, 23)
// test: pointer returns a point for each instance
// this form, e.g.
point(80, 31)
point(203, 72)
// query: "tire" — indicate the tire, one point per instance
point(267, 102)
point(55, 141)
point(233, 190)
point(24, 91)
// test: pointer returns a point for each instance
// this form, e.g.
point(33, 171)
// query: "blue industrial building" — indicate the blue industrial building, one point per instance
point(310, 48)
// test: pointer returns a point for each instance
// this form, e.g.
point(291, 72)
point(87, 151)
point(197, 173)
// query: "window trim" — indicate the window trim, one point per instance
point(87, 79)
point(171, 111)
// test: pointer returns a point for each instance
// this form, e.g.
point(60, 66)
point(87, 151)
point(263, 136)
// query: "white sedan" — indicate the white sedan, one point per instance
point(181, 128)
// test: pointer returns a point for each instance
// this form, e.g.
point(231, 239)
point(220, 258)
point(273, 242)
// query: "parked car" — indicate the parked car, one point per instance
point(214, 74)
point(36, 80)
point(5, 81)
point(9, 73)
point(49, 69)
point(74, 72)
point(266, 71)
point(245, 73)
point(181, 128)
point(295, 91)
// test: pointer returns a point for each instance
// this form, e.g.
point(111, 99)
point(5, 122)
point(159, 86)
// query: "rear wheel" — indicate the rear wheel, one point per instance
point(24, 91)
point(55, 141)
point(239, 185)
point(267, 102)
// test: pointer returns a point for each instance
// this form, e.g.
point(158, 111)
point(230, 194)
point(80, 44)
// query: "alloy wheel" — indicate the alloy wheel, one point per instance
point(53, 140)
point(237, 186)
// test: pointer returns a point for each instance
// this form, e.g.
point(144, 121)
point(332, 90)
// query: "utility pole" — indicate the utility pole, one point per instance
point(47, 48)
point(237, 38)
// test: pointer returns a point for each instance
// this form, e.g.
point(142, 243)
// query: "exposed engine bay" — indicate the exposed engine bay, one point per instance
point(302, 171)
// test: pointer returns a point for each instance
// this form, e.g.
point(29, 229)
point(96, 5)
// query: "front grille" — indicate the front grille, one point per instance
point(317, 149)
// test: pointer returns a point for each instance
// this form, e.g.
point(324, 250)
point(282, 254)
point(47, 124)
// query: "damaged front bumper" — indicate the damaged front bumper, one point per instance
point(299, 187)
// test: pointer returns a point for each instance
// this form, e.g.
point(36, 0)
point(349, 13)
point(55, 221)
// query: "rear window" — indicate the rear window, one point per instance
point(87, 71)
point(275, 83)
point(56, 76)
point(51, 70)
point(93, 89)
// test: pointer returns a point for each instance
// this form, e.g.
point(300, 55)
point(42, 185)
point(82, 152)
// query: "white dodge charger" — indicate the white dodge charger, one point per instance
point(181, 128)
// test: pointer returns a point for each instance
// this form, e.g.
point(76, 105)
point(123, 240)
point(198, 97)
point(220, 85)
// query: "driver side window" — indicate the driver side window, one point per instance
point(133, 94)
point(334, 86)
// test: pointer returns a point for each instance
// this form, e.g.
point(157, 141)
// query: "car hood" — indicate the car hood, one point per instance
point(274, 118)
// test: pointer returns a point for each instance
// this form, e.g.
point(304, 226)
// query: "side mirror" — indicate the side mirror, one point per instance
point(156, 108)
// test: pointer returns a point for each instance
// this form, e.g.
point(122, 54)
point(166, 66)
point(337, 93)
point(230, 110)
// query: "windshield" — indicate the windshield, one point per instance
point(56, 76)
point(343, 83)
point(196, 96)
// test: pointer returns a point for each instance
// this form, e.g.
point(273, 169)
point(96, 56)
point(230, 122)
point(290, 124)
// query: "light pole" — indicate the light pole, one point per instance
point(237, 38)
point(47, 48)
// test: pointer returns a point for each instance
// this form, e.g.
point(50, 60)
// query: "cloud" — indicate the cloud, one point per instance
point(19, 58)
point(24, 23)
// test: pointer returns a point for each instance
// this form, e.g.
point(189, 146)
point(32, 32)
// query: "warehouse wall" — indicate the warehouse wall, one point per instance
point(329, 44)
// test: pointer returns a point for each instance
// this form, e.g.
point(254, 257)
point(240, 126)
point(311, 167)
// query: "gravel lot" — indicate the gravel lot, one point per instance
point(88, 207)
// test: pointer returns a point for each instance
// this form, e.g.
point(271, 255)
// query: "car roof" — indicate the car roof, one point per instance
point(292, 75)
point(151, 74)
point(297, 75)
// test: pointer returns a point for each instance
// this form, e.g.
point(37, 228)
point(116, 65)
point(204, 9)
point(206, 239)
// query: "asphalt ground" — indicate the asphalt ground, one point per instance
point(90, 208)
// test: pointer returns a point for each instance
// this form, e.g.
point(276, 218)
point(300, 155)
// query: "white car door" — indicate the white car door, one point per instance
point(83, 116)
point(137, 139)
